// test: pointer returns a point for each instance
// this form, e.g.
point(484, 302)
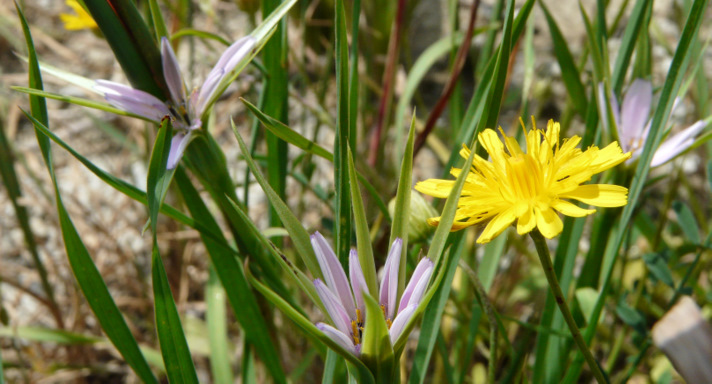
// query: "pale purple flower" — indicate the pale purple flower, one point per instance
point(633, 125)
point(343, 300)
point(185, 109)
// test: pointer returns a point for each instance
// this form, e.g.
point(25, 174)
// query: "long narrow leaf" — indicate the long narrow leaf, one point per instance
point(83, 267)
point(662, 113)
point(232, 276)
point(299, 236)
point(174, 347)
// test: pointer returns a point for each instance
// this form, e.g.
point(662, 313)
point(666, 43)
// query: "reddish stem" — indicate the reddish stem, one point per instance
point(450, 86)
point(388, 76)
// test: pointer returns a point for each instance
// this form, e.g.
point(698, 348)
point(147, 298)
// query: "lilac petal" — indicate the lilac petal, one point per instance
point(400, 322)
point(334, 275)
point(418, 282)
point(677, 144)
point(389, 284)
point(635, 111)
point(235, 53)
point(132, 100)
point(358, 281)
point(207, 89)
point(178, 145)
point(333, 307)
point(338, 337)
point(171, 72)
point(227, 62)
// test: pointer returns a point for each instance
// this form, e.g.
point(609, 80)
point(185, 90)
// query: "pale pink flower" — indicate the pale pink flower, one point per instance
point(343, 300)
point(633, 124)
point(185, 109)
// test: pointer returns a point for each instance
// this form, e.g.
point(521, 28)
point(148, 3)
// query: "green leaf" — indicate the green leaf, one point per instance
point(12, 185)
point(132, 43)
point(343, 139)
point(432, 318)
point(363, 238)
point(287, 134)
point(298, 235)
point(275, 104)
point(401, 215)
point(79, 101)
point(232, 276)
point(569, 71)
point(130, 190)
point(376, 348)
point(159, 178)
point(586, 298)
point(632, 29)
point(657, 264)
point(293, 137)
point(216, 318)
point(631, 317)
point(159, 25)
point(687, 222)
point(174, 347)
point(490, 115)
point(88, 278)
point(672, 84)
point(59, 336)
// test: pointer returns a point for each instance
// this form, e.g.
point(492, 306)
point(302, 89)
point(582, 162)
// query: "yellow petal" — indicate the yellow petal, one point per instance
point(498, 224)
point(569, 209)
point(526, 222)
point(600, 195)
point(548, 222)
point(435, 187)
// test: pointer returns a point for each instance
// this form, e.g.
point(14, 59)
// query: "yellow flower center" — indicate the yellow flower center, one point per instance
point(525, 180)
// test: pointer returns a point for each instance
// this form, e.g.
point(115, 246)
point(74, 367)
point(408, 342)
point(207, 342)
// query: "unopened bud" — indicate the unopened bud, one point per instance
point(420, 212)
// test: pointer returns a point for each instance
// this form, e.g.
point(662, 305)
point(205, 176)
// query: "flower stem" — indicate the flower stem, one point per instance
point(545, 258)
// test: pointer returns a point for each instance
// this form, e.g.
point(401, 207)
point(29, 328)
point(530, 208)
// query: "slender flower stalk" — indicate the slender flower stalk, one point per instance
point(633, 124)
point(530, 187)
point(545, 258)
point(185, 108)
point(344, 299)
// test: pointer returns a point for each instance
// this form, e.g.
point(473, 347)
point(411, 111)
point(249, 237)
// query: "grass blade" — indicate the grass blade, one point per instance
point(363, 238)
point(216, 318)
point(276, 96)
point(343, 139)
point(88, 277)
point(174, 348)
point(670, 88)
point(298, 235)
point(232, 276)
point(132, 43)
point(569, 71)
point(401, 216)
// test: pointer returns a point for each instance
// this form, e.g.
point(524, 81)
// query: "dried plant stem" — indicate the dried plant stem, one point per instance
point(452, 81)
point(545, 258)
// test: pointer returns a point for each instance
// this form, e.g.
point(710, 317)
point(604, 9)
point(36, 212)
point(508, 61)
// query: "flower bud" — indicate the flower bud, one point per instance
point(420, 212)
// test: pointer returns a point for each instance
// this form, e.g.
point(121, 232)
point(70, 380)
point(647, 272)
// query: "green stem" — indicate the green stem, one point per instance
point(545, 258)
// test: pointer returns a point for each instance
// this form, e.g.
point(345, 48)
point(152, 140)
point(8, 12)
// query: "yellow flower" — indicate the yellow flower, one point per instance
point(530, 186)
point(80, 20)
